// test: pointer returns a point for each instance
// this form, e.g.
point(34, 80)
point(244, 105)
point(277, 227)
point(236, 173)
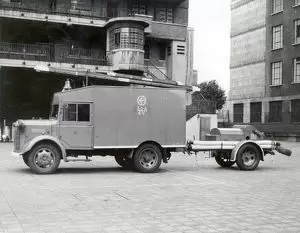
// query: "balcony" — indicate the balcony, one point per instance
point(54, 55)
point(61, 13)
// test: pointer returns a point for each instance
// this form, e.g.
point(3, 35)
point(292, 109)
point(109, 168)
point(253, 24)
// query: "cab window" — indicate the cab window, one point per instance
point(76, 112)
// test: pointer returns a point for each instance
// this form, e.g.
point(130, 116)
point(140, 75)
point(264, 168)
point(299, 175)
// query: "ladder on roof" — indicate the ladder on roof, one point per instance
point(123, 78)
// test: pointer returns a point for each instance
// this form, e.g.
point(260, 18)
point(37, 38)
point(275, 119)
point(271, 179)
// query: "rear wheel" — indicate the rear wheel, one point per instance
point(44, 158)
point(124, 162)
point(223, 159)
point(147, 158)
point(248, 157)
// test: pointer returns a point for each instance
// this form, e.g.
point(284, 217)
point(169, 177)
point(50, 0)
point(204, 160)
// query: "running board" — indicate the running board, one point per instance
point(79, 160)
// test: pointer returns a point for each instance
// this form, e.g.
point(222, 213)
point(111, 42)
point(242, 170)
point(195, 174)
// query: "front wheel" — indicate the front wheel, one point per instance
point(248, 157)
point(25, 159)
point(223, 159)
point(44, 158)
point(147, 158)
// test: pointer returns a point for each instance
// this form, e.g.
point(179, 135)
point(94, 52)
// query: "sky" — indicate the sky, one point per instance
point(211, 22)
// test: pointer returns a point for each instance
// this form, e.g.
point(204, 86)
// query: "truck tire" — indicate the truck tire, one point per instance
point(223, 159)
point(124, 162)
point(25, 159)
point(147, 158)
point(248, 157)
point(44, 158)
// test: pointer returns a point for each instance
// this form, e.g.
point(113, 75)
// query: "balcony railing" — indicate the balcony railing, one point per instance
point(154, 72)
point(61, 53)
point(65, 8)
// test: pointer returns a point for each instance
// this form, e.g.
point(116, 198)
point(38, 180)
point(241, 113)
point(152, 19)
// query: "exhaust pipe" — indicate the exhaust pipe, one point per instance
point(283, 150)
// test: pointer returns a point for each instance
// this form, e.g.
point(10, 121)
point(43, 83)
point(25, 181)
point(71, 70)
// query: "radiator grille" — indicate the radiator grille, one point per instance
point(16, 139)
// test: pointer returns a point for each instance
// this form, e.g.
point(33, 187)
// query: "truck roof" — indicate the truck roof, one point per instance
point(80, 89)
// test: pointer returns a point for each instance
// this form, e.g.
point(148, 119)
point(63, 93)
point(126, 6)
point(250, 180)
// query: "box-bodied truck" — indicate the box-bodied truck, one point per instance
point(139, 126)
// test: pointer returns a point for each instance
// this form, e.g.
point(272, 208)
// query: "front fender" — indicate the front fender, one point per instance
point(29, 145)
point(240, 144)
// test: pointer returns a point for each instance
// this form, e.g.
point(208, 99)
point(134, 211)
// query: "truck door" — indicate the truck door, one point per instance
point(76, 125)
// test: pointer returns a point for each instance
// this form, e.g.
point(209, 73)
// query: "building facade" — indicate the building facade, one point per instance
point(141, 38)
point(265, 65)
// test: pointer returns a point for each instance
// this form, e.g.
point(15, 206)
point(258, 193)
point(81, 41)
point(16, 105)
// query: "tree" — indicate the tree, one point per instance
point(211, 91)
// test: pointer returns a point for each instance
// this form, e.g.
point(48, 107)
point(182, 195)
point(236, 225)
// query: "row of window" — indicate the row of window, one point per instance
point(275, 112)
point(277, 35)
point(276, 72)
point(73, 112)
point(161, 14)
point(277, 5)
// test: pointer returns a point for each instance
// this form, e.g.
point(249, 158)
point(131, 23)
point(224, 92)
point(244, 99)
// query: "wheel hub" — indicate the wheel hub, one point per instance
point(148, 158)
point(248, 158)
point(44, 158)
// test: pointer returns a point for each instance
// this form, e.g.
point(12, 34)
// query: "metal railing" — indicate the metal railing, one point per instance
point(61, 53)
point(52, 7)
point(200, 107)
point(154, 72)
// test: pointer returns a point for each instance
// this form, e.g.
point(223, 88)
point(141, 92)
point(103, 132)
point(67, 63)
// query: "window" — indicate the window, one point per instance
point(277, 73)
point(275, 112)
point(76, 112)
point(70, 112)
point(238, 113)
point(295, 111)
point(297, 31)
point(297, 70)
point(83, 112)
point(255, 112)
point(277, 6)
point(126, 38)
point(277, 37)
point(297, 2)
point(138, 9)
point(54, 111)
point(162, 51)
point(164, 15)
point(117, 39)
point(147, 49)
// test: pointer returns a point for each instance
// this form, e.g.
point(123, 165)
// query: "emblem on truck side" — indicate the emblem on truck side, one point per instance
point(141, 108)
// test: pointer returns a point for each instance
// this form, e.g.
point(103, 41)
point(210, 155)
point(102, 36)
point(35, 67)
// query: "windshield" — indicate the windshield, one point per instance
point(54, 111)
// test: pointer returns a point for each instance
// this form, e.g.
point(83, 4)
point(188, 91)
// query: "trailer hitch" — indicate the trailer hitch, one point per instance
point(282, 150)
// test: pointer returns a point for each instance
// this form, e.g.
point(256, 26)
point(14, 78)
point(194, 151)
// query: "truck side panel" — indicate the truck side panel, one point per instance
point(126, 117)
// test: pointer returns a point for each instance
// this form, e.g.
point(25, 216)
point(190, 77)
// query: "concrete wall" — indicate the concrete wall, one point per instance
point(247, 81)
point(248, 54)
point(247, 17)
point(248, 48)
point(179, 61)
point(181, 13)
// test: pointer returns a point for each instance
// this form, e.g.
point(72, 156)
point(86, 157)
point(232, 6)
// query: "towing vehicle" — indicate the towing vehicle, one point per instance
point(140, 126)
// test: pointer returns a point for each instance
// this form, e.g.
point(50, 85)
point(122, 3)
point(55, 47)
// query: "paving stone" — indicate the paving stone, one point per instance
point(181, 197)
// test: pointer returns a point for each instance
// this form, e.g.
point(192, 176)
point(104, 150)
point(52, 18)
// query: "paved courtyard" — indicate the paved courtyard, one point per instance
point(190, 194)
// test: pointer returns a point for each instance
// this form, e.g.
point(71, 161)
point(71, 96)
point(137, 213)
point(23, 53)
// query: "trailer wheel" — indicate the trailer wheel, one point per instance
point(44, 158)
point(124, 162)
point(248, 157)
point(147, 158)
point(223, 159)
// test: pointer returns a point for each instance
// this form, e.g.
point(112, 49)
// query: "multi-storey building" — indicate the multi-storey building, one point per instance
point(139, 39)
point(265, 67)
